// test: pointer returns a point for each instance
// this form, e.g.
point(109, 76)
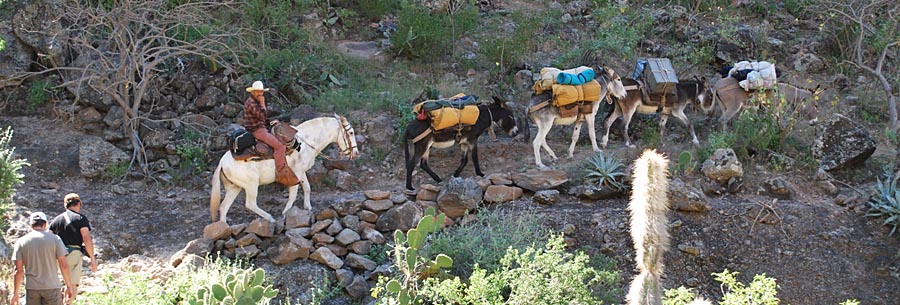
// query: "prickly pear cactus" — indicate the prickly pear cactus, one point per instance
point(243, 287)
point(413, 266)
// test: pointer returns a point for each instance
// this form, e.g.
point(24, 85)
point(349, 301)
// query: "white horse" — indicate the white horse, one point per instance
point(314, 135)
point(546, 116)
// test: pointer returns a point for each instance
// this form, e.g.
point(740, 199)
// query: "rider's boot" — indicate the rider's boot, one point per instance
point(284, 174)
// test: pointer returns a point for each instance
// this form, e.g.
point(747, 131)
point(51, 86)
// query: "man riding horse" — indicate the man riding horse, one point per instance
point(255, 122)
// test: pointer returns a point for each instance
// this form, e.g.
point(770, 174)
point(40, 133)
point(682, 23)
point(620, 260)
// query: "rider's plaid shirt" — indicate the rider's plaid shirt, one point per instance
point(254, 115)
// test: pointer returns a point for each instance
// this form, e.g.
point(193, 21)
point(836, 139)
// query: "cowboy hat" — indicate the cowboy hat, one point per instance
point(257, 85)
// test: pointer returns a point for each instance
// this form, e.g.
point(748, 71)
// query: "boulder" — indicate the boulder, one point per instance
point(217, 230)
point(841, 142)
point(348, 205)
point(367, 216)
point(338, 250)
point(535, 180)
point(344, 276)
point(248, 252)
point(326, 214)
point(261, 227)
point(458, 196)
point(357, 261)
point(286, 251)
point(402, 217)
point(374, 235)
point(377, 194)
point(324, 256)
point(427, 192)
point(358, 288)
point(780, 188)
point(347, 237)
point(210, 98)
point(198, 247)
point(342, 180)
point(351, 222)
point(361, 247)
point(95, 155)
point(546, 197)
point(687, 198)
point(722, 166)
point(297, 217)
point(320, 225)
point(502, 193)
point(37, 25)
point(378, 205)
point(15, 58)
point(334, 228)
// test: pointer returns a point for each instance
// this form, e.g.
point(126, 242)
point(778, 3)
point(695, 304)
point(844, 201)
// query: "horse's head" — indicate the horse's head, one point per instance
point(612, 84)
point(506, 117)
point(347, 139)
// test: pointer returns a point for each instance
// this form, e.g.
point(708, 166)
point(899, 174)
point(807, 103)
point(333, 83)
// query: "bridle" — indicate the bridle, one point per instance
point(351, 146)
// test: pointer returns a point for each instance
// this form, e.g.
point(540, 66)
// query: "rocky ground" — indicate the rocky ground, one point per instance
point(819, 246)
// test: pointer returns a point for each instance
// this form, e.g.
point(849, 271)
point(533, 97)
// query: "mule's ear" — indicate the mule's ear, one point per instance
point(499, 101)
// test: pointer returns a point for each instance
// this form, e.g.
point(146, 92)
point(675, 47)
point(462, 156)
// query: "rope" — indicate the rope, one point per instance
point(423, 135)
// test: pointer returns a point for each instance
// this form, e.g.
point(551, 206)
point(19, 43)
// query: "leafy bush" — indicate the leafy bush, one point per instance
point(10, 177)
point(604, 171)
point(38, 94)
point(134, 288)
point(620, 29)
point(194, 157)
point(374, 9)
point(507, 48)
point(428, 34)
point(886, 201)
point(484, 241)
point(413, 263)
point(761, 291)
point(116, 170)
point(538, 275)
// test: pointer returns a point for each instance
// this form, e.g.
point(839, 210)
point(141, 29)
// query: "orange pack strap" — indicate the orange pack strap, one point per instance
point(422, 135)
point(539, 106)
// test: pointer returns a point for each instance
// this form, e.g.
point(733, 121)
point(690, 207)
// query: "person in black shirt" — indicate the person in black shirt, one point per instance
point(75, 231)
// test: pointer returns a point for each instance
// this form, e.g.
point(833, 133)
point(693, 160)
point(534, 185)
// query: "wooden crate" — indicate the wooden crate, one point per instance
point(660, 76)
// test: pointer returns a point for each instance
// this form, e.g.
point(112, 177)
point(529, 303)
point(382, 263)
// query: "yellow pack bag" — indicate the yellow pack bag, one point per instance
point(448, 116)
point(567, 94)
point(591, 91)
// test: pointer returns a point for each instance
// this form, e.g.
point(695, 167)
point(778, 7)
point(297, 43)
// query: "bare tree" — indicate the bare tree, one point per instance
point(129, 45)
point(863, 14)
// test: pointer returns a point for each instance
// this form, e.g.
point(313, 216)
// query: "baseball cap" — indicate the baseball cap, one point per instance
point(38, 216)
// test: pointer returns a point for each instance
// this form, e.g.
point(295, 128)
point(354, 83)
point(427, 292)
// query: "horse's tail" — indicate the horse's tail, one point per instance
point(215, 193)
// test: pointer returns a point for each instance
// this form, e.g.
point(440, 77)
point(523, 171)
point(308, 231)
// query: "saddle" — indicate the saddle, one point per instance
point(244, 147)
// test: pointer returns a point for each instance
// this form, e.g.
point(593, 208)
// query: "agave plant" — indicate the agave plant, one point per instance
point(886, 202)
point(605, 171)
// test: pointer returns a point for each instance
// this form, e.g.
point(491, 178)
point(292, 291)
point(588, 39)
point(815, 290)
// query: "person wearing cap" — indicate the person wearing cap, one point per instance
point(37, 256)
point(75, 231)
point(255, 122)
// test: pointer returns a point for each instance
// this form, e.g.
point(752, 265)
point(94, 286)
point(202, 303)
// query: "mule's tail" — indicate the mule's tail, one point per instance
point(215, 193)
point(649, 226)
point(525, 121)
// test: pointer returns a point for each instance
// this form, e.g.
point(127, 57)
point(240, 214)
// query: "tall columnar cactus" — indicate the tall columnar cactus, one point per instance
point(243, 287)
point(649, 227)
point(414, 266)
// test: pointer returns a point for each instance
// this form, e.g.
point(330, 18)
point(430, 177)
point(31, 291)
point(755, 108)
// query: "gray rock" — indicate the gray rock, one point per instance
point(342, 180)
point(359, 262)
point(546, 196)
point(287, 251)
point(15, 58)
point(687, 198)
point(358, 288)
point(334, 228)
point(458, 196)
point(297, 217)
point(210, 98)
point(402, 217)
point(367, 216)
point(197, 247)
point(377, 195)
point(347, 237)
point(326, 257)
point(95, 155)
point(261, 227)
point(348, 205)
point(351, 222)
point(248, 252)
point(344, 276)
point(722, 166)
point(217, 230)
point(38, 26)
point(320, 225)
point(780, 188)
point(374, 235)
point(378, 205)
point(539, 180)
point(841, 142)
point(361, 247)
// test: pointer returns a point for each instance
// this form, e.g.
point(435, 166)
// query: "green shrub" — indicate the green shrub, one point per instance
point(193, 157)
point(374, 9)
point(2, 44)
point(605, 171)
point(717, 140)
point(10, 177)
point(134, 288)
point(537, 275)
point(761, 291)
point(239, 287)
point(508, 49)
point(38, 94)
point(430, 35)
point(685, 164)
point(620, 29)
point(886, 201)
point(116, 170)
point(484, 241)
point(413, 263)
